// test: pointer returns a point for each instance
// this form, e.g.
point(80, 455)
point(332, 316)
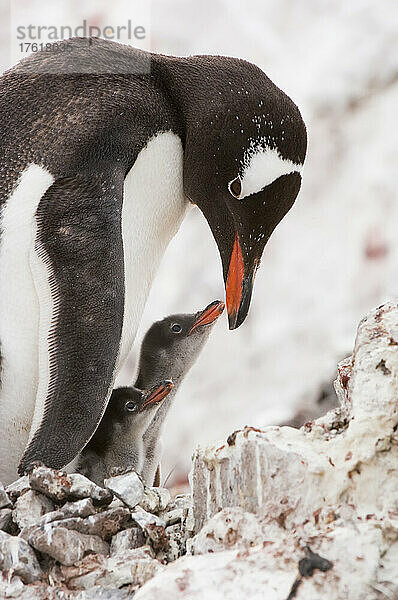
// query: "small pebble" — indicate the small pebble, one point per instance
point(30, 507)
point(128, 488)
point(65, 545)
point(18, 557)
point(5, 518)
point(152, 526)
point(5, 501)
point(16, 488)
point(128, 539)
point(60, 486)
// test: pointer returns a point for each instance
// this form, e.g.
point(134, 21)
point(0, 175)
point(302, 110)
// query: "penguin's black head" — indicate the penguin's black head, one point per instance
point(245, 144)
point(171, 346)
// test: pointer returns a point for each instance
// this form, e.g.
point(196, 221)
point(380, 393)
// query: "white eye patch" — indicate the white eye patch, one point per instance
point(261, 167)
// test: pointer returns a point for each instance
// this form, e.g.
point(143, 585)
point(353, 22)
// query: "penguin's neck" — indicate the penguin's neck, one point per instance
point(148, 378)
point(149, 375)
point(127, 448)
point(153, 207)
point(155, 427)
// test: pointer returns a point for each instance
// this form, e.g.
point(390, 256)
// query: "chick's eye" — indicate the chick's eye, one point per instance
point(130, 406)
point(176, 328)
point(235, 187)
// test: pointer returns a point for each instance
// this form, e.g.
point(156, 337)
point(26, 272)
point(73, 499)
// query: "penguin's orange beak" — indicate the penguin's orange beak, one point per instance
point(234, 283)
point(238, 286)
point(158, 393)
point(208, 315)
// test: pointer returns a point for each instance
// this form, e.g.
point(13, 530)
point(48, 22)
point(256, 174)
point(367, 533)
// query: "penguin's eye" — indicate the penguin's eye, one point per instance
point(235, 187)
point(130, 406)
point(176, 328)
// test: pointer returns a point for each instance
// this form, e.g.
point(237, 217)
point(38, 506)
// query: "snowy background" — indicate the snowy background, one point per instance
point(336, 253)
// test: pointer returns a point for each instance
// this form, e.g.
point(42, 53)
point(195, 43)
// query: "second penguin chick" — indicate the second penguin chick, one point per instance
point(118, 440)
point(169, 349)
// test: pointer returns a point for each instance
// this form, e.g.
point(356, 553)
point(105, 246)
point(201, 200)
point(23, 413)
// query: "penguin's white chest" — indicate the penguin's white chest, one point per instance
point(153, 208)
point(19, 317)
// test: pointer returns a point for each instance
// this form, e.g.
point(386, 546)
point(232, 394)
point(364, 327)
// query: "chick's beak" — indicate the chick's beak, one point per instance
point(158, 393)
point(208, 315)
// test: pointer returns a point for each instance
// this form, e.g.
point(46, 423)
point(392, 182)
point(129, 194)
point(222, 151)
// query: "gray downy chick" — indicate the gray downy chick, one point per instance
point(119, 438)
point(169, 349)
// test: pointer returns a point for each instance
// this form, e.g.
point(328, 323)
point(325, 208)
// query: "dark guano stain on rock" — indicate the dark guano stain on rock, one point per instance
point(383, 367)
point(311, 562)
point(307, 566)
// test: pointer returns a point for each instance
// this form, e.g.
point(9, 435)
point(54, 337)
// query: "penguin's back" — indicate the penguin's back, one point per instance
point(73, 111)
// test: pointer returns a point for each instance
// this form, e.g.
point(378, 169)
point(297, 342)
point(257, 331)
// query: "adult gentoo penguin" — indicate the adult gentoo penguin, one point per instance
point(99, 160)
point(119, 438)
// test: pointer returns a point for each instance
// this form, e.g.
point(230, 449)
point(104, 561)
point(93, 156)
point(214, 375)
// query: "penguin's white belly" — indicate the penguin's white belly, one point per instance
point(153, 208)
point(19, 317)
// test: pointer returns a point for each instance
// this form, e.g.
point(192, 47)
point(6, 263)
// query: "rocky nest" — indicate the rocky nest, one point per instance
point(276, 513)
point(61, 533)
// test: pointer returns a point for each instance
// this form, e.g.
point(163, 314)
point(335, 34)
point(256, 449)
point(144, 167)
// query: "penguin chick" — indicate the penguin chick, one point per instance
point(169, 349)
point(118, 441)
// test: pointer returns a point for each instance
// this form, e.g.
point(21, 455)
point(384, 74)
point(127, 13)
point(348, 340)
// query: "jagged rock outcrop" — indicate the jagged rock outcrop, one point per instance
point(283, 513)
point(275, 513)
point(349, 455)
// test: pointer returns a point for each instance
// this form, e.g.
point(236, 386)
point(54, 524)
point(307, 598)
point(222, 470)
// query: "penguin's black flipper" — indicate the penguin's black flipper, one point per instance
point(78, 269)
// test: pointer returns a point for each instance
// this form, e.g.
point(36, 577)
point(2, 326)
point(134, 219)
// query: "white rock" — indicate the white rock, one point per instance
point(97, 593)
point(60, 486)
point(116, 503)
point(123, 569)
point(64, 545)
point(128, 539)
point(155, 499)
point(14, 588)
point(80, 508)
point(10, 587)
point(5, 518)
point(176, 515)
point(288, 474)
point(18, 486)
point(81, 487)
point(104, 524)
point(5, 501)
point(18, 558)
point(164, 497)
point(152, 526)
point(176, 543)
point(183, 501)
point(232, 527)
point(30, 507)
point(220, 576)
point(348, 556)
point(132, 567)
point(128, 488)
point(150, 500)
